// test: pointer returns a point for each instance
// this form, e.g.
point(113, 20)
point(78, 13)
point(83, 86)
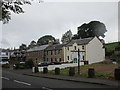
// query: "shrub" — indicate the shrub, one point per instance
point(20, 66)
point(29, 63)
point(6, 66)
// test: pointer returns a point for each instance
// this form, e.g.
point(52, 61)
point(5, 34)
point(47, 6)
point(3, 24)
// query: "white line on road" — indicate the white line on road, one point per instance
point(22, 82)
point(5, 78)
point(46, 88)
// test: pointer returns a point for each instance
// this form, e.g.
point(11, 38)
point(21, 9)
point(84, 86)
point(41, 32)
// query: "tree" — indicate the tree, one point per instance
point(32, 44)
point(46, 39)
point(15, 6)
point(23, 47)
point(93, 28)
point(6, 6)
point(66, 37)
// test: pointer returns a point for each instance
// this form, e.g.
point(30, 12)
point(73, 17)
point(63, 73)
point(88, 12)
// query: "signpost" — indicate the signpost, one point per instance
point(78, 51)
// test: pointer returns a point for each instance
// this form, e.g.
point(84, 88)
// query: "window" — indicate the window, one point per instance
point(75, 47)
point(55, 60)
point(68, 57)
point(51, 52)
point(60, 59)
point(55, 52)
point(58, 51)
point(83, 47)
point(51, 60)
point(83, 58)
point(47, 59)
point(47, 52)
point(68, 48)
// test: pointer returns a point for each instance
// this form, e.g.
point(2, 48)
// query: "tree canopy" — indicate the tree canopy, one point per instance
point(93, 28)
point(23, 47)
point(46, 39)
point(8, 6)
point(32, 44)
point(66, 37)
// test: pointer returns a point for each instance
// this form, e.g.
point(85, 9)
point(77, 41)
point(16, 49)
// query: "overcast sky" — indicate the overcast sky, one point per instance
point(55, 18)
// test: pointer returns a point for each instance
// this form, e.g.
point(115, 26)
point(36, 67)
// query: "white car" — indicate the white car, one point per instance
point(4, 62)
point(22, 62)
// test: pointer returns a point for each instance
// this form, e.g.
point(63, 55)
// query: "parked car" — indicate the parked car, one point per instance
point(22, 62)
point(4, 62)
point(45, 64)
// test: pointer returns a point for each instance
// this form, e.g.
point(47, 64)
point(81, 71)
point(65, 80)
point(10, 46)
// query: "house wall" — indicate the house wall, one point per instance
point(5, 55)
point(36, 56)
point(54, 57)
point(95, 51)
point(69, 49)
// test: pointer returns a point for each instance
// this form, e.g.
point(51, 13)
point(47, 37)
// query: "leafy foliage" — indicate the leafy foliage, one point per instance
point(46, 40)
point(23, 47)
point(93, 28)
point(111, 46)
point(66, 37)
point(7, 6)
point(32, 44)
point(29, 63)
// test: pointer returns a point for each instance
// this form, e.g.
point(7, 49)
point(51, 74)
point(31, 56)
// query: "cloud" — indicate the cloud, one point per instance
point(56, 18)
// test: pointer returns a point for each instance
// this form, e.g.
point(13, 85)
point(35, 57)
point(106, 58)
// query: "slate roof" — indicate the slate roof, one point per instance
point(55, 47)
point(38, 48)
point(80, 41)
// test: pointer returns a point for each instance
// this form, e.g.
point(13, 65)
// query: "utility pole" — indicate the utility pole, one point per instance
point(78, 51)
point(78, 61)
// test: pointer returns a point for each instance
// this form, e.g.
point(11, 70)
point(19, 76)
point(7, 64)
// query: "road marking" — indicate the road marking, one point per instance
point(5, 78)
point(46, 88)
point(22, 82)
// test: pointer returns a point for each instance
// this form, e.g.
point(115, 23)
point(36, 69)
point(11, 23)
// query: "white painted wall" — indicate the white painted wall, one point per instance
point(95, 51)
point(52, 67)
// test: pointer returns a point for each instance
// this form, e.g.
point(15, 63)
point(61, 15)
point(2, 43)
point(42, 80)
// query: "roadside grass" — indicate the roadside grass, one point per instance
point(103, 71)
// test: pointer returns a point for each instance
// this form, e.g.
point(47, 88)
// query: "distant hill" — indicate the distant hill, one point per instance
point(111, 46)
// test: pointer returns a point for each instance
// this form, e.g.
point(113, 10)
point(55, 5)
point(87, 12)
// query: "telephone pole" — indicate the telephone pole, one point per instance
point(78, 51)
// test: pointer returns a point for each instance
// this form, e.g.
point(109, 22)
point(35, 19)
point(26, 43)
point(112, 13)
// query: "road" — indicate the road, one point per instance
point(16, 80)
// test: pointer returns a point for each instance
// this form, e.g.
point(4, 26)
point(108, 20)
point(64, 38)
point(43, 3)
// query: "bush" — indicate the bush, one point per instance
point(29, 63)
point(6, 66)
point(20, 66)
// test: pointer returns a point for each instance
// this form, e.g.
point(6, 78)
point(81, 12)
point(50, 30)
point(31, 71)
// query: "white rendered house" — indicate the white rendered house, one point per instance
point(91, 51)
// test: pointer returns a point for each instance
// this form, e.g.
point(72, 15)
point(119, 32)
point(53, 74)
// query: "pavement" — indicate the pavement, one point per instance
point(29, 72)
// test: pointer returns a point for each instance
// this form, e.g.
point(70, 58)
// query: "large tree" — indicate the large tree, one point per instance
point(66, 37)
point(46, 39)
point(93, 28)
point(23, 47)
point(8, 6)
point(32, 44)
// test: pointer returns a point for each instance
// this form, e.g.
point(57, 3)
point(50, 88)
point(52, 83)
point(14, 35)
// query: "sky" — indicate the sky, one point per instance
point(55, 18)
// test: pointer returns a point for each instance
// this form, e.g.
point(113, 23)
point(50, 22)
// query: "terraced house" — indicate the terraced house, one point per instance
point(91, 51)
point(37, 53)
point(55, 53)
